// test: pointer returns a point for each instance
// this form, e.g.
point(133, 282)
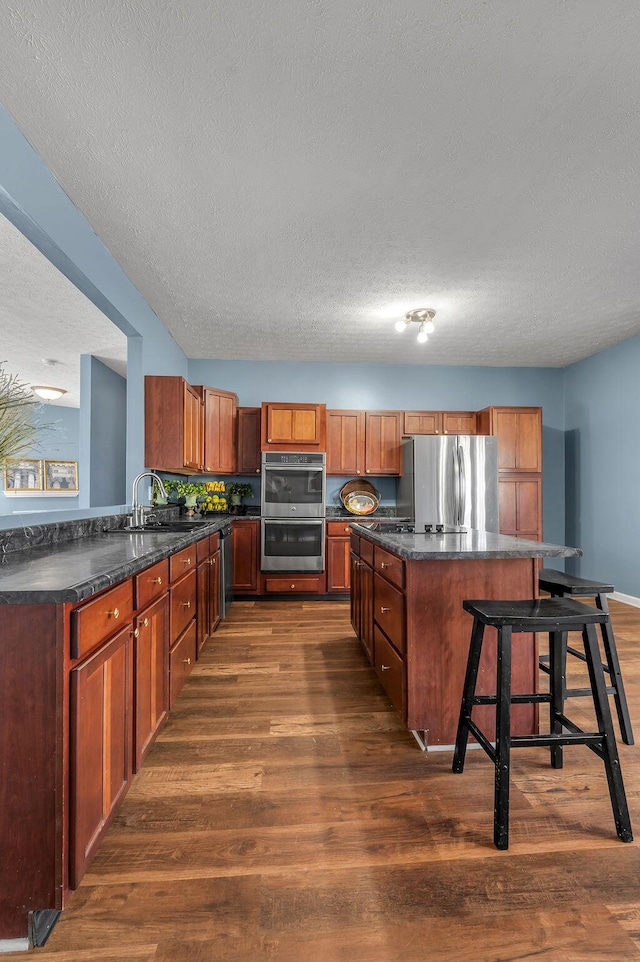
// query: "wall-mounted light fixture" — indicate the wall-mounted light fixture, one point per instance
point(424, 317)
point(46, 392)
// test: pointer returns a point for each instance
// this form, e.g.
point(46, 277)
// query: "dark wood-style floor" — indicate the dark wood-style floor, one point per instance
point(285, 815)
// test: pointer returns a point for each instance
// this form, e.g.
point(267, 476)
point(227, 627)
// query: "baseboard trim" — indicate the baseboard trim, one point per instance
point(626, 599)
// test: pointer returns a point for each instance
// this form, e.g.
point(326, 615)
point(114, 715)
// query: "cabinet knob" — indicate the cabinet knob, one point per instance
point(186, 661)
point(269, 441)
point(368, 470)
point(187, 561)
point(114, 614)
point(145, 623)
point(382, 609)
point(385, 667)
point(156, 581)
point(213, 561)
point(292, 586)
point(135, 632)
point(385, 564)
point(347, 529)
point(186, 604)
point(358, 472)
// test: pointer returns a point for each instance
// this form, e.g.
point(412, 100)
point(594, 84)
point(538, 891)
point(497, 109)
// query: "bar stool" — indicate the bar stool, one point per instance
point(560, 585)
point(557, 617)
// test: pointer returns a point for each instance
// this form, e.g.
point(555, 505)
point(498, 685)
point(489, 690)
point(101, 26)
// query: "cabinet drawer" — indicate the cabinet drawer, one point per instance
point(182, 658)
point(390, 566)
point(338, 529)
point(366, 551)
point(203, 549)
point(181, 562)
point(295, 584)
point(182, 604)
point(389, 668)
point(94, 622)
point(389, 611)
point(214, 542)
point(150, 584)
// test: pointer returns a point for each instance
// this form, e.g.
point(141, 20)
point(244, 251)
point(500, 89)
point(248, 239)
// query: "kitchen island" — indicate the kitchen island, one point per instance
point(407, 591)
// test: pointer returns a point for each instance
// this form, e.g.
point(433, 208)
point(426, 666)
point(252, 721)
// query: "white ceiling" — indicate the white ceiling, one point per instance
point(284, 179)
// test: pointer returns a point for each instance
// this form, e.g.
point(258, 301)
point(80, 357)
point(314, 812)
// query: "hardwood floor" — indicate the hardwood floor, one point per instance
point(285, 815)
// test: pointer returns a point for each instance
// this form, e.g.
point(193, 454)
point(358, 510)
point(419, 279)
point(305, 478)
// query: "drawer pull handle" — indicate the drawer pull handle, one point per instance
point(135, 632)
point(385, 667)
point(186, 604)
point(114, 614)
point(187, 561)
point(383, 609)
point(385, 564)
point(347, 530)
point(156, 581)
point(145, 623)
point(186, 661)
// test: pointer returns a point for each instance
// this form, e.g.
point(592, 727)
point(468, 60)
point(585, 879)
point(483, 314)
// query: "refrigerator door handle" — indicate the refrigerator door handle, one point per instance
point(456, 485)
point(462, 500)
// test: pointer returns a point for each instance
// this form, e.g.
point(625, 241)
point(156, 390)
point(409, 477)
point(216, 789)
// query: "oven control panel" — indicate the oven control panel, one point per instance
point(293, 458)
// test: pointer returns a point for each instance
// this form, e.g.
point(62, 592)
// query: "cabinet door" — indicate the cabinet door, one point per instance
point(383, 432)
point(220, 412)
point(100, 753)
point(287, 427)
point(248, 454)
point(203, 603)
point(519, 432)
point(422, 422)
point(356, 588)
point(458, 422)
point(338, 564)
point(366, 600)
point(345, 442)
point(192, 428)
point(245, 536)
point(214, 591)
point(151, 675)
point(521, 507)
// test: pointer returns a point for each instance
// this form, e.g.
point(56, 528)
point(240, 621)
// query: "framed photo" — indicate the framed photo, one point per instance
point(22, 475)
point(61, 475)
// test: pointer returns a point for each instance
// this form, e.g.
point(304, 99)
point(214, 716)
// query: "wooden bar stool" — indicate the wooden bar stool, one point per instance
point(561, 585)
point(557, 617)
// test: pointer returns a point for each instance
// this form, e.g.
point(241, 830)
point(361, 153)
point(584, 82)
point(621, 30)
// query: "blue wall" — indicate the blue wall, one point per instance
point(602, 411)
point(103, 430)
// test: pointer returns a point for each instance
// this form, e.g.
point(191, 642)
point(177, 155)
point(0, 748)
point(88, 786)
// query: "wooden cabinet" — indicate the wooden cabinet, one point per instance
point(219, 430)
point(439, 422)
point(345, 442)
point(383, 435)
point(150, 672)
point(362, 595)
point(338, 555)
point(208, 589)
point(519, 433)
point(182, 619)
point(293, 427)
point(172, 425)
point(248, 460)
point(246, 555)
point(100, 750)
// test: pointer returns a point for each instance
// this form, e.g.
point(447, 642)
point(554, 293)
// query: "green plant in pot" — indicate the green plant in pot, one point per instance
point(187, 490)
point(236, 491)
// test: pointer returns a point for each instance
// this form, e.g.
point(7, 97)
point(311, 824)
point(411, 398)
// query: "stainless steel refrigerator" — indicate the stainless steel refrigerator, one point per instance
point(450, 480)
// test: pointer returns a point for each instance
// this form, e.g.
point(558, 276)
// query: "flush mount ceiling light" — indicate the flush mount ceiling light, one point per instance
point(46, 392)
point(424, 317)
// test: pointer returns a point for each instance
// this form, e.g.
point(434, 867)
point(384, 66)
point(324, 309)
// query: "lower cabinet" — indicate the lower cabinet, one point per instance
point(338, 556)
point(151, 693)
point(246, 555)
point(100, 749)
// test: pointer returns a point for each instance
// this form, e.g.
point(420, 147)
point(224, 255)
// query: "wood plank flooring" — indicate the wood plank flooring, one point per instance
point(285, 815)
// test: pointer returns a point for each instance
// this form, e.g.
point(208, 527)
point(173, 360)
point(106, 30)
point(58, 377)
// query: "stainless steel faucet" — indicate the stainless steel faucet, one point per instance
point(137, 510)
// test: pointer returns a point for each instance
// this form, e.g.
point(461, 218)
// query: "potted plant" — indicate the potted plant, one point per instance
point(186, 492)
point(236, 491)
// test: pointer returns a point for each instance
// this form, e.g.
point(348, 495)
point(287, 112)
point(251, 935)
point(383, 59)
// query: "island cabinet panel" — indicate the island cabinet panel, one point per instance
point(33, 779)
point(362, 603)
point(345, 442)
point(219, 416)
point(287, 427)
point(246, 555)
point(172, 425)
point(389, 612)
point(100, 748)
point(389, 667)
point(383, 435)
point(248, 452)
point(151, 673)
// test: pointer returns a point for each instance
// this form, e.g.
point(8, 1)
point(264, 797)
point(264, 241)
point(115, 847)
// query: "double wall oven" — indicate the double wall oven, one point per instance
point(292, 508)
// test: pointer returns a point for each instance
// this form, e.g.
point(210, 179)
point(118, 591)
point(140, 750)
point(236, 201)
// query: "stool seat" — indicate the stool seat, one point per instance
point(540, 614)
point(558, 583)
point(557, 616)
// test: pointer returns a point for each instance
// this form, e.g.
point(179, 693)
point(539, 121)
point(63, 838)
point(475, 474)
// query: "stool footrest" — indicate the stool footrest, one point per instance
point(533, 698)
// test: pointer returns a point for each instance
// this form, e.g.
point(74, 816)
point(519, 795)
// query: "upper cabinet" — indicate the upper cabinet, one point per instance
point(364, 442)
point(383, 435)
point(248, 451)
point(439, 422)
point(293, 427)
point(172, 425)
point(519, 431)
point(219, 430)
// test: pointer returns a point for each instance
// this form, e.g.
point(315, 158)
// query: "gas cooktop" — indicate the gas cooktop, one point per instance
point(408, 527)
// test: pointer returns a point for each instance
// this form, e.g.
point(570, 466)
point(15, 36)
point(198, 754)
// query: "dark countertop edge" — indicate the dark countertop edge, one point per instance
point(80, 591)
point(517, 548)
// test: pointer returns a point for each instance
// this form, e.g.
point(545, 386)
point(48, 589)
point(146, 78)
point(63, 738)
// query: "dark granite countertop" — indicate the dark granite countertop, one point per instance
point(73, 570)
point(457, 547)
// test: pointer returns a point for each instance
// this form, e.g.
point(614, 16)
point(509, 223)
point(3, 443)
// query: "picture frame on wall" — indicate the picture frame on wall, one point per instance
point(60, 475)
point(22, 475)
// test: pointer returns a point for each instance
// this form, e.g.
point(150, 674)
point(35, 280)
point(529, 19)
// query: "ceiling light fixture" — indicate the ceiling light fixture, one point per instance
point(424, 317)
point(46, 392)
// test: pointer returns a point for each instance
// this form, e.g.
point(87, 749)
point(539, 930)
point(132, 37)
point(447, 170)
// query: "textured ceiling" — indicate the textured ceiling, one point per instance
point(284, 179)
point(43, 317)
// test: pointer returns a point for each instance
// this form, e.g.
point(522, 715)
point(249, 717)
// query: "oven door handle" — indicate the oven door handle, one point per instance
point(293, 520)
